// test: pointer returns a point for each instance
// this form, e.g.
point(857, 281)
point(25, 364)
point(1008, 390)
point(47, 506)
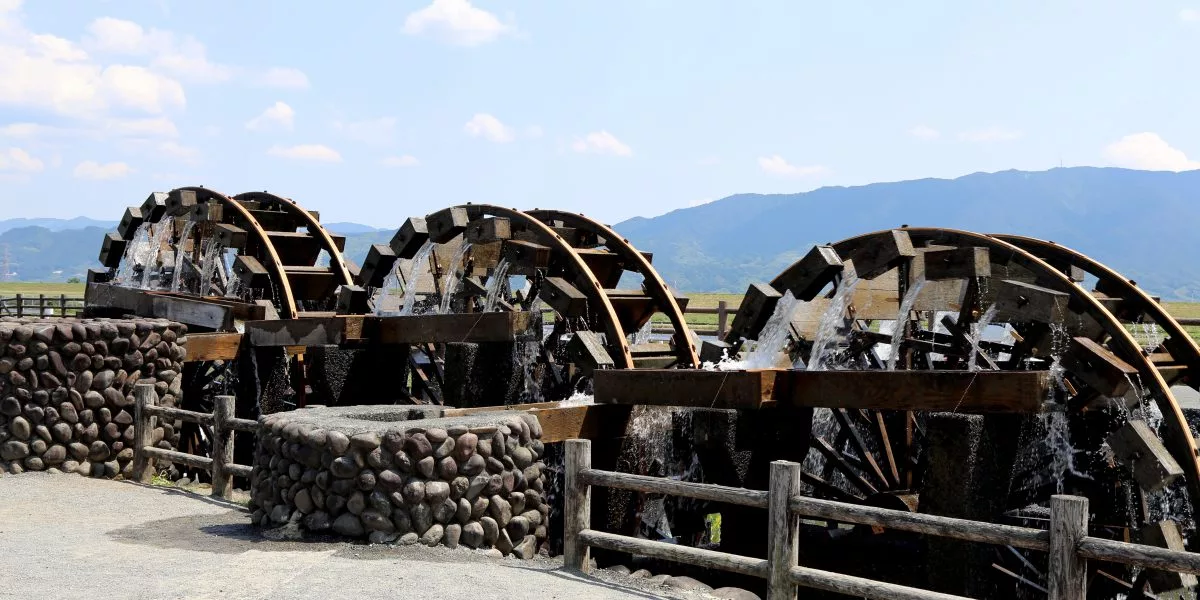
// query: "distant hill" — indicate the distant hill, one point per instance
point(1144, 224)
point(54, 224)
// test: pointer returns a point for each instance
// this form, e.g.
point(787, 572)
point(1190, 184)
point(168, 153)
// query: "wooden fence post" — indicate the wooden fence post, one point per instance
point(62, 305)
point(577, 505)
point(20, 306)
point(143, 466)
point(722, 319)
point(41, 305)
point(783, 530)
point(1068, 525)
point(222, 481)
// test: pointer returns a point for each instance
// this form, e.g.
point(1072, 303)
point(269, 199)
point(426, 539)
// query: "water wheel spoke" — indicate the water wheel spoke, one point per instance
point(828, 489)
point(843, 419)
point(835, 458)
point(1021, 579)
point(886, 443)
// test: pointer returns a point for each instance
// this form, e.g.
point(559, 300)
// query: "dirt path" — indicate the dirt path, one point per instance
point(65, 536)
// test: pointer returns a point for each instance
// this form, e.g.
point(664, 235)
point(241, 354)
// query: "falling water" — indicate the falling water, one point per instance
point(906, 306)
point(161, 234)
point(235, 288)
point(642, 335)
point(1154, 337)
point(416, 270)
point(496, 285)
point(177, 279)
point(133, 253)
point(391, 286)
point(976, 335)
point(450, 283)
point(774, 335)
point(831, 321)
point(210, 256)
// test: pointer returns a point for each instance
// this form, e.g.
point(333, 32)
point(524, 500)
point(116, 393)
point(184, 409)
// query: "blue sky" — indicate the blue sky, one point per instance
point(375, 111)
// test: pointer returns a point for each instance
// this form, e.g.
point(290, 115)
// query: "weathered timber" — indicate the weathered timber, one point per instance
point(1019, 302)
point(130, 222)
point(410, 237)
point(957, 263)
point(180, 414)
point(507, 326)
point(324, 331)
point(486, 230)
point(1163, 559)
point(154, 207)
point(588, 352)
point(190, 311)
point(880, 255)
point(191, 460)
point(444, 224)
point(311, 283)
point(563, 297)
point(247, 425)
point(180, 202)
point(230, 236)
point(112, 249)
point(783, 527)
point(352, 300)
point(755, 567)
point(524, 258)
point(211, 211)
point(859, 587)
point(577, 504)
point(1098, 367)
point(239, 470)
point(674, 387)
point(379, 263)
point(295, 247)
point(1135, 445)
point(269, 312)
point(959, 529)
point(671, 487)
point(714, 351)
point(809, 275)
point(757, 305)
point(1165, 534)
point(1067, 574)
point(961, 391)
point(251, 272)
point(212, 346)
point(144, 397)
point(604, 265)
point(222, 446)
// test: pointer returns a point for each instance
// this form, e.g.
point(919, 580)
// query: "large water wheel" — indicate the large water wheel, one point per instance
point(935, 299)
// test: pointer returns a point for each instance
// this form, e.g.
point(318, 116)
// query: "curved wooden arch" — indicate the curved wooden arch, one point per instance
point(337, 261)
point(612, 325)
point(1129, 292)
point(685, 348)
point(1122, 342)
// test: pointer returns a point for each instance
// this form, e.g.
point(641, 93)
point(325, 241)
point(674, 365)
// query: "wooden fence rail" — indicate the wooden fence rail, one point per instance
point(1067, 541)
point(223, 422)
point(41, 305)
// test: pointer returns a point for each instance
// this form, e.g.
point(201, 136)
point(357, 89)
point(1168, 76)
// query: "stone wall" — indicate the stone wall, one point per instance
point(389, 474)
point(66, 390)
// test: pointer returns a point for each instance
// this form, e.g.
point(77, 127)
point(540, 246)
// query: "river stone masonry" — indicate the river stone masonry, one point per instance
point(395, 474)
point(66, 390)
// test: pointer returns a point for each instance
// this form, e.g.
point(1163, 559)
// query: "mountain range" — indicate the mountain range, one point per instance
point(1142, 223)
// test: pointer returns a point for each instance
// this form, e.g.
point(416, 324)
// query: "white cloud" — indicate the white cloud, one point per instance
point(313, 152)
point(534, 131)
point(284, 77)
point(55, 48)
point(174, 149)
point(990, 134)
point(90, 169)
point(1190, 14)
point(278, 115)
point(456, 22)
point(154, 127)
point(489, 127)
point(16, 159)
point(1148, 151)
point(379, 131)
point(181, 56)
point(137, 87)
point(924, 132)
point(601, 142)
point(777, 165)
point(406, 160)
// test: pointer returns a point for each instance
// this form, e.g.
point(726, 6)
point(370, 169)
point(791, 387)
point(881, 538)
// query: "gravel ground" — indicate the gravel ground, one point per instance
point(66, 536)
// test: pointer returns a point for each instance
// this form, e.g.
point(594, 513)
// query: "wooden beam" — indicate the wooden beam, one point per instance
point(410, 237)
point(446, 223)
point(194, 312)
point(329, 331)
point(757, 306)
point(212, 346)
point(961, 391)
point(486, 230)
point(563, 297)
point(957, 263)
point(810, 274)
point(477, 328)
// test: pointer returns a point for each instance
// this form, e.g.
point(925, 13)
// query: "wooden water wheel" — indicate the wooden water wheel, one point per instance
point(936, 299)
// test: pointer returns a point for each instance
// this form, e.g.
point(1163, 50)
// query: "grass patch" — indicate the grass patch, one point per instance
point(33, 288)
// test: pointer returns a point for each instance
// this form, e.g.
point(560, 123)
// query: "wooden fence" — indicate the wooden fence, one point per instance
point(41, 305)
point(220, 465)
point(1067, 541)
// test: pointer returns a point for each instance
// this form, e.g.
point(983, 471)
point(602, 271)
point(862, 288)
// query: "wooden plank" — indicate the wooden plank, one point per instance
point(563, 297)
point(1019, 302)
point(190, 311)
point(675, 387)
point(757, 305)
point(410, 237)
point(956, 391)
point(755, 567)
point(317, 331)
point(685, 489)
point(809, 275)
point(957, 263)
point(507, 326)
point(212, 346)
point(1098, 367)
point(444, 224)
point(230, 236)
point(1135, 445)
point(881, 254)
point(524, 257)
point(490, 229)
point(1068, 525)
point(577, 505)
point(251, 272)
point(1165, 534)
point(379, 263)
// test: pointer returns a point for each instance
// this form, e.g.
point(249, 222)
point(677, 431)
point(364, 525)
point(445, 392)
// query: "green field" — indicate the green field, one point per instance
point(9, 289)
